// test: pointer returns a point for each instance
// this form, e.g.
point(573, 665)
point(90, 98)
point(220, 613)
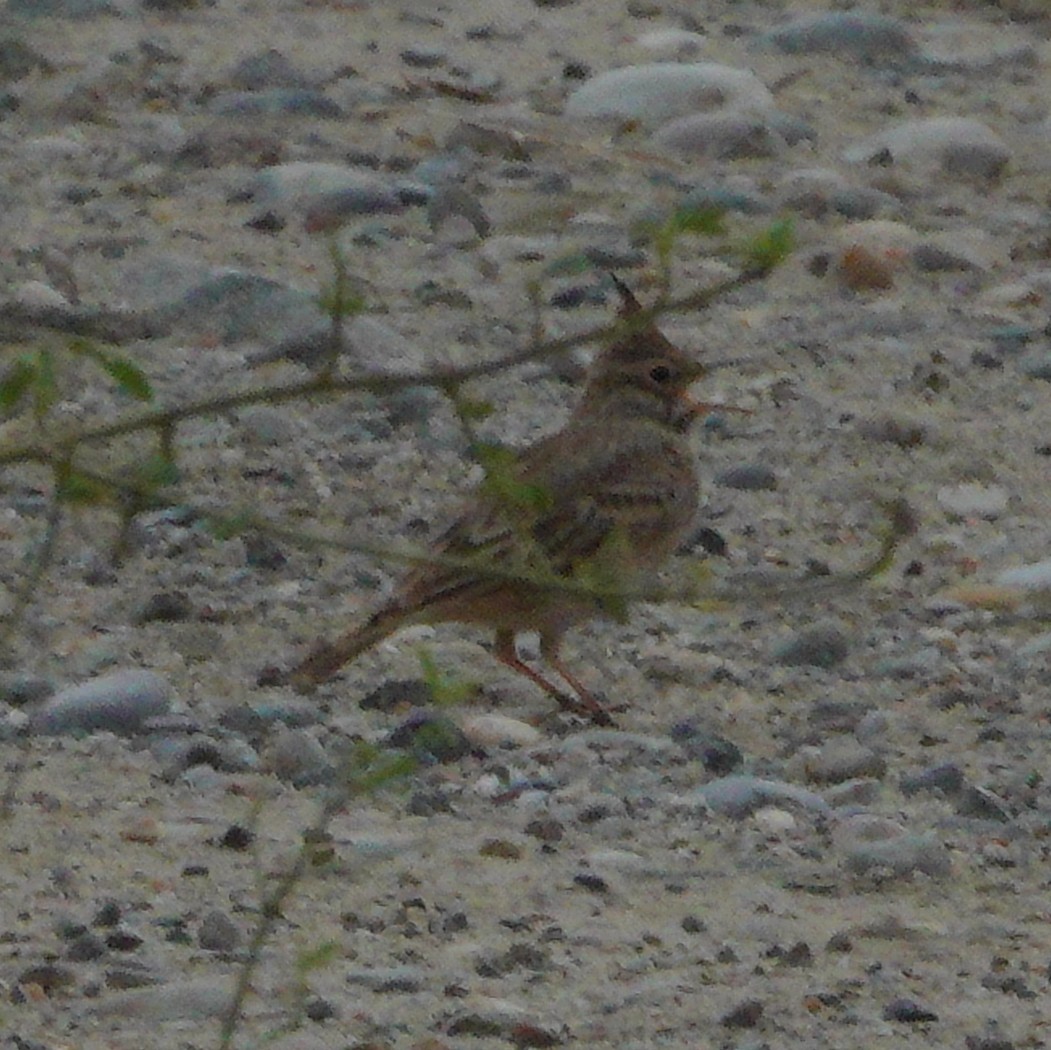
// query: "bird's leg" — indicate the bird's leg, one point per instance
point(549, 649)
point(507, 654)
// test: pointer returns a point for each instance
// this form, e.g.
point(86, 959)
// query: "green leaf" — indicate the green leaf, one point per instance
point(473, 411)
point(16, 382)
point(340, 301)
point(502, 482)
point(444, 688)
point(45, 384)
point(704, 219)
point(74, 487)
point(603, 574)
point(371, 769)
point(772, 246)
point(228, 528)
point(157, 472)
point(129, 377)
point(317, 958)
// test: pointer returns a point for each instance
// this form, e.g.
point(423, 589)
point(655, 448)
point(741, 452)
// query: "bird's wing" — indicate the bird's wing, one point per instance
point(571, 500)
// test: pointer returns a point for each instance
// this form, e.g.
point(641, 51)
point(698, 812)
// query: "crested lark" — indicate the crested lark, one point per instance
point(607, 498)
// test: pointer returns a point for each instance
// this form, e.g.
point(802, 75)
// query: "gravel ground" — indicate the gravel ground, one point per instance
point(820, 819)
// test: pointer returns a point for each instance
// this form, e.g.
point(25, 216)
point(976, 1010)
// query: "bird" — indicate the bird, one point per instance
point(607, 499)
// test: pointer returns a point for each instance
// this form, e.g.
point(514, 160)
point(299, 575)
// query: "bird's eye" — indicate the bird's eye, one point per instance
point(660, 374)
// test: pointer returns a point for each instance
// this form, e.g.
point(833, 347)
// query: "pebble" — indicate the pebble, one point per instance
point(740, 796)
point(500, 731)
point(848, 35)
point(264, 70)
point(217, 932)
point(946, 779)
point(902, 854)
point(118, 703)
point(672, 43)
point(1037, 365)
point(60, 8)
point(193, 1000)
point(748, 477)
point(285, 102)
point(388, 979)
point(656, 93)
point(720, 136)
point(822, 646)
point(1035, 576)
point(909, 1011)
point(296, 756)
point(308, 188)
point(839, 760)
point(954, 146)
point(973, 500)
point(431, 737)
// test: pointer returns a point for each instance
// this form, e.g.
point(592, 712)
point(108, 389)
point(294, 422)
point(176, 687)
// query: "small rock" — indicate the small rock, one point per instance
point(840, 760)
point(748, 477)
point(165, 607)
point(388, 979)
point(862, 270)
point(947, 779)
point(741, 795)
point(118, 703)
point(909, 1011)
point(981, 803)
point(656, 93)
point(893, 430)
point(901, 855)
point(821, 646)
point(289, 102)
point(1033, 577)
point(431, 737)
point(720, 136)
point(296, 756)
point(716, 753)
point(744, 1015)
point(954, 146)
point(265, 70)
point(500, 731)
point(173, 1001)
point(218, 933)
point(849, 35)
point(1036, 365)
point(973, 500)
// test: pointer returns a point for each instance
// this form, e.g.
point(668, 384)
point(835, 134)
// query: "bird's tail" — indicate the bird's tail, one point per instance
point(328, 657)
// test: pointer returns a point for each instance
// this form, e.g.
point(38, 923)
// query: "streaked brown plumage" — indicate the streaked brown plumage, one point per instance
point(614, 493)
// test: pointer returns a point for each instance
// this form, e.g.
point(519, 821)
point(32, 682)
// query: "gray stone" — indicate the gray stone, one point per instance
point(297, 757)
point(902, 855)
point(60, 8)
point(720, 136)
point(821, 646)
point(748, 477)
point(173, 1001)
point(740, 796)
point(268, 69)
point(849, 35)
point(946, 779)
point(119, 703)
point(288, 102)
point(658, 92)
point(218, 933)
point(388, 979)
point(841, 760)
point(955, 146)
